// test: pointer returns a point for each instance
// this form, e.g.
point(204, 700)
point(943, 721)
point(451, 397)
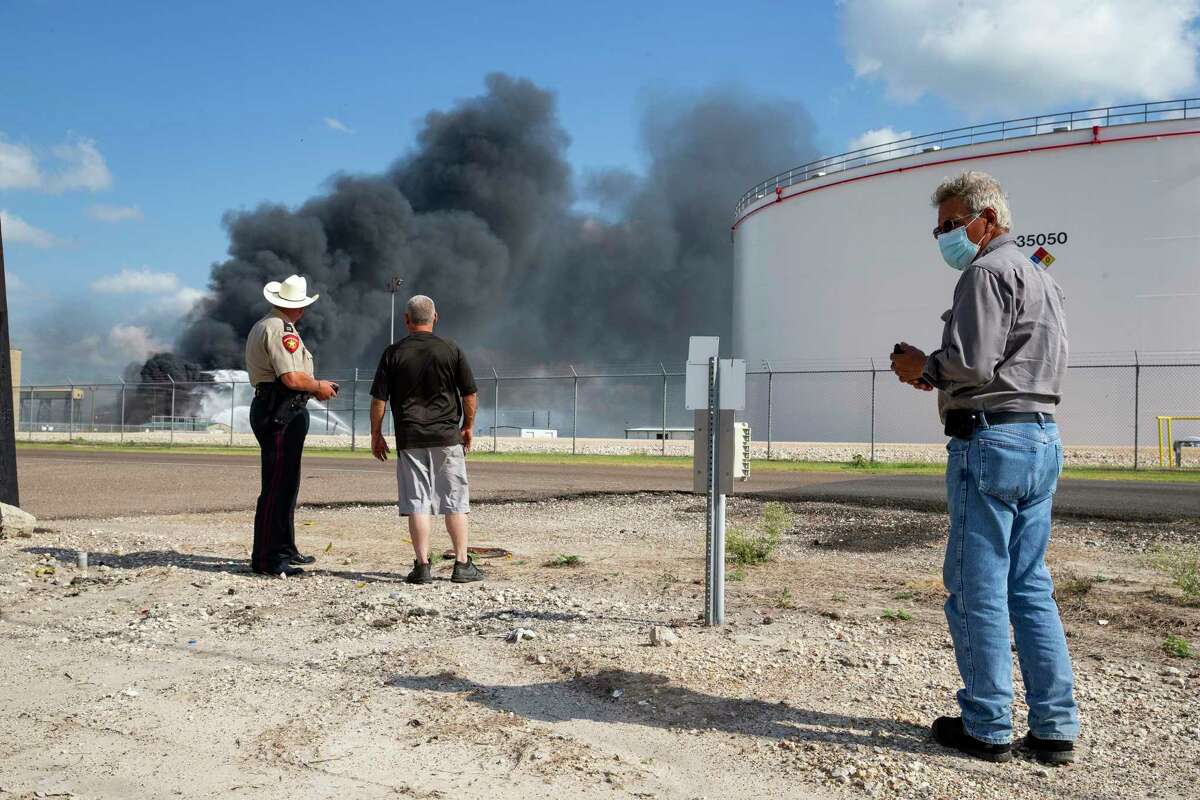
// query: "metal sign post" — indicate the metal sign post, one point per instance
point(715, 389)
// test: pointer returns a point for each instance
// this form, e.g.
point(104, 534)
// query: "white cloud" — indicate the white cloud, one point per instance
point(115, 214)
point(143, 281)
point(1024, 54)
point(80, 167)
point(337, 125)
point(84, 168)
point(133, 342)
point(18, 167)
point(185, 299)
point(878, 136)
point(18, 231)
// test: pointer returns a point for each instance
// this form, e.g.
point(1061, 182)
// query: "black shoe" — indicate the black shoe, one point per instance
point(949, 732)
point(421, 573)
point(283, 568)
point(299, 559)
point(466, 572)
point(1049, 751)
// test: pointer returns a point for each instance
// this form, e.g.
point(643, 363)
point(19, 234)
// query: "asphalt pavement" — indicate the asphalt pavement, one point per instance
point(66, 483)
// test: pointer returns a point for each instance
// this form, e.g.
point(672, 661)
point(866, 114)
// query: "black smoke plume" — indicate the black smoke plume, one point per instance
point(151, 396)
point(484, 215)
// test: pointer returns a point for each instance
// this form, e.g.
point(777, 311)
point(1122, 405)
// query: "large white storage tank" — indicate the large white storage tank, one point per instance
point(834, 261)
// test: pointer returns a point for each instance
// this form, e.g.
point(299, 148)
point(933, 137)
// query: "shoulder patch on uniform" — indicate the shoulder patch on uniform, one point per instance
point(291, 342)
point(289, 327)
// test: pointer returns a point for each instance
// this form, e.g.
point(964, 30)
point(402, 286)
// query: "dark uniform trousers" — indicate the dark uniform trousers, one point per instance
point(274, 517)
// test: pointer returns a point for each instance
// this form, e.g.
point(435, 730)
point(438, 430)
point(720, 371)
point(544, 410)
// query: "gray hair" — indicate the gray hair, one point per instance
point(979, 191)
point(420, 310)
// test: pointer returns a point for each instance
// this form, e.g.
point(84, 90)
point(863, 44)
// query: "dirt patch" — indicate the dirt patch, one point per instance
point(169, 669)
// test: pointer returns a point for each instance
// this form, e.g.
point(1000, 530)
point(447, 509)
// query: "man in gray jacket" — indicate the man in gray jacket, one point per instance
point(999, 374)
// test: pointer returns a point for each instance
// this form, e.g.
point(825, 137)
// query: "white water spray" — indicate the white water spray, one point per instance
point(227, 401)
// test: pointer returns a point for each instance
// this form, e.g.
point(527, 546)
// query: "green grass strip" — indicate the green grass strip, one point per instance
point(1187, 476)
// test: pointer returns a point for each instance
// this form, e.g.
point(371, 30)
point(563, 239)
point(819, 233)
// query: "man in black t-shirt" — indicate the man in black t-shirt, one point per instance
point(433, 396)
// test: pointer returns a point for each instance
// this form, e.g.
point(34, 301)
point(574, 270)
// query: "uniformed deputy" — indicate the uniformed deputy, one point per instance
point(281, 369)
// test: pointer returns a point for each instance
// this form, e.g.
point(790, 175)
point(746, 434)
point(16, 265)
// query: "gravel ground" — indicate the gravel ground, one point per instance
point(169, 670)
point(834, 452)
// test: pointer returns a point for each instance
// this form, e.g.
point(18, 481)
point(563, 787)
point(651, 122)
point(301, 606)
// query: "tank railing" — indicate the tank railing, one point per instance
point(974, 134)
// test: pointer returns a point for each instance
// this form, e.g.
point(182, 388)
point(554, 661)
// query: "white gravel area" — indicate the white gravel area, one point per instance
point(168, 670)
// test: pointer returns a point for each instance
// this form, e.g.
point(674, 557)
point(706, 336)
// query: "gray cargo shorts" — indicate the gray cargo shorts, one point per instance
point(432, 480)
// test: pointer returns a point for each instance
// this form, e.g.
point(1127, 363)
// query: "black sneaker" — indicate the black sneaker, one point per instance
point(949, 732)
point(1049, 751)
point(421, 573)
point(282, 568)
point(466, 573)
point(300, 560)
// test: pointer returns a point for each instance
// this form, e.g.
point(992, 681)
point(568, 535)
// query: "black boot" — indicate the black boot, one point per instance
point(949, 732)
point(1049, 751)
point(466, 572)
point(421, 573)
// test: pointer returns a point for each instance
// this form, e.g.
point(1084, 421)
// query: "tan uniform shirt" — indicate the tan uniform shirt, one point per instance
point(275, 347)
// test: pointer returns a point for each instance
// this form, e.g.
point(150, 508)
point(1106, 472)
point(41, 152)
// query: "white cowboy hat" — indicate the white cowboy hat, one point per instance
point(291, 293)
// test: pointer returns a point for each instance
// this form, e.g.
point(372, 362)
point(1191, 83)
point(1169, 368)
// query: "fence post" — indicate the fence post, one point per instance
point(354, 412)
point(495, 410)
point(71, 413)
point(171, 419)
point(32, 414)
point(770, 406)
point(664, 416)
point(232, 406)
point(121, 438)
point(872, 411)
point(574, 410)
point(1137, 397)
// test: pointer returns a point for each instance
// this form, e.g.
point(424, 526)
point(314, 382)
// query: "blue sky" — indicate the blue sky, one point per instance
point(128, 129)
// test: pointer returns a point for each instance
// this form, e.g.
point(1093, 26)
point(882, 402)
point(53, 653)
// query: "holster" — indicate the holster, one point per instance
point(961, 423)
point(284, 404)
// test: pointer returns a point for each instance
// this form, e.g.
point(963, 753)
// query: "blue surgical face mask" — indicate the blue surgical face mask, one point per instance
point(957, 248)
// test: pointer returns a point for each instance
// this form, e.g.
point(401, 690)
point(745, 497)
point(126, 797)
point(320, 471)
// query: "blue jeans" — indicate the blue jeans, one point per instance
point(1000, 485)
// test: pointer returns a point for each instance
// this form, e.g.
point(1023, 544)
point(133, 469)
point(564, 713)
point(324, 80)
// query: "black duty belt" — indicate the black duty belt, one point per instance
point(961, 423)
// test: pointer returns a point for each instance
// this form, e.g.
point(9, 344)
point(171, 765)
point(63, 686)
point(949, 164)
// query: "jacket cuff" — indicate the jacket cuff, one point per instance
point(931, 374)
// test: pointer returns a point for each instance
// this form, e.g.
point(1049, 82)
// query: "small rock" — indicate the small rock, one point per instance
point(662, 637)
point(520, 635)
point(616, 694)
point(768, 620)
point(15, 522)
point(541, 659)
point(1171, 671)
point(130, 692)
point(423, 611)
point(893, 660)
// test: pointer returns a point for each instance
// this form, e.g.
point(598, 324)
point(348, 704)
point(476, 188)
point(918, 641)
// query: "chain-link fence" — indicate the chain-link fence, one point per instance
point(797, 410)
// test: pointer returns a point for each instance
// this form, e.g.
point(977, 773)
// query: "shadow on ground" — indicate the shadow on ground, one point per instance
point(199, 563)
point(652, 700)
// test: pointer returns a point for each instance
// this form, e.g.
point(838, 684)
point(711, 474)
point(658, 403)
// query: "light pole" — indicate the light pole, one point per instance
point(393, 287)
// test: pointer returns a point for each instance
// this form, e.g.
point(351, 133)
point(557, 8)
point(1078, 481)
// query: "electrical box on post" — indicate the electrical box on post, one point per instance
point(733, 451)
point(740, 449)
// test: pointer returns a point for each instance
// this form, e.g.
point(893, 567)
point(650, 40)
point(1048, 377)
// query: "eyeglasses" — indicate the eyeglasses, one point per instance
point(951, 224)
